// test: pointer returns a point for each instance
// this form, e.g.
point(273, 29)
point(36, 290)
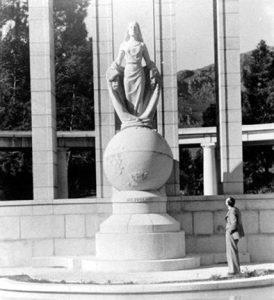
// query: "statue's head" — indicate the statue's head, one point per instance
point(134, 30)
point(115, 84)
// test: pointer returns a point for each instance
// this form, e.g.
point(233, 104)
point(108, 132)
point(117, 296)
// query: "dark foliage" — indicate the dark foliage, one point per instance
point(196, 92)
point(73, 66)
point(191, 171)
point(258, 171)
point(209, 115)
point(81, 173)
point(15, 175)
point(258, 107)
point(258, 86)
point(14, 66)
point(195, 88)
point(74, 86)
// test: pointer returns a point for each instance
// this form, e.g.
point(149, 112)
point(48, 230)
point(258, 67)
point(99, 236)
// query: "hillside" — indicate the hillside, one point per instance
point(196, 94)
point(196, 91)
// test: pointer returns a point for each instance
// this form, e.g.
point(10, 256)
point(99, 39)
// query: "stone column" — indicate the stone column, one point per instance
point(62, 173)
point(42, 72)
point(271, 170)
point(104, 112)
point(167, 116)
point(209, 169)
point(227, 62)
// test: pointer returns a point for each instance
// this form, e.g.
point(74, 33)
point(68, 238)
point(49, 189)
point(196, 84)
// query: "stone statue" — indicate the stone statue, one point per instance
point(139, 235)
point(134, 89)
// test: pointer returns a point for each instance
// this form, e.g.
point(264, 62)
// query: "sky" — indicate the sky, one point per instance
point(194, 27)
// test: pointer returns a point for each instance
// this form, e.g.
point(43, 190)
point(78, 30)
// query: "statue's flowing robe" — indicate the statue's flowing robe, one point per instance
point(134, 77)
point(134, 89)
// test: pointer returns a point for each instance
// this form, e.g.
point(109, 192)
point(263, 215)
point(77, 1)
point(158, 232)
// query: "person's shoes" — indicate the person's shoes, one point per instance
point(233, 273)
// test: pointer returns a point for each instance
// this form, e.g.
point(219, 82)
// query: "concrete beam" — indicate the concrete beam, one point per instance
point(11, 140)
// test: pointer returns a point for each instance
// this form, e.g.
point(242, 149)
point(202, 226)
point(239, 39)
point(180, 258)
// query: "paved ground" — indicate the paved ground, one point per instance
point(78, 276)
point(202, 283)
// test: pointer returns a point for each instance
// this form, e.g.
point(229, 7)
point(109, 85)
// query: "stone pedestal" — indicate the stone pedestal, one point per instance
point(139, 235)
point(140, 228)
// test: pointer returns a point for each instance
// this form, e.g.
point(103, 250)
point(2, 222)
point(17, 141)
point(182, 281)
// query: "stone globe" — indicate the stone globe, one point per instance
point(138, 158)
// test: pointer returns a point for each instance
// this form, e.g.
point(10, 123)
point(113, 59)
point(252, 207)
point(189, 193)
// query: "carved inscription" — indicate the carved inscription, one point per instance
point(137, 177)
point(140, 199)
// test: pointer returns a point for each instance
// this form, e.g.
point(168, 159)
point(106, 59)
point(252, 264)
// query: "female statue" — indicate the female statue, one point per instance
point(134, 89)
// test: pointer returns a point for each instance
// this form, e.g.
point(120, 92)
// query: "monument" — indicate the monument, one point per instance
point(139, 235)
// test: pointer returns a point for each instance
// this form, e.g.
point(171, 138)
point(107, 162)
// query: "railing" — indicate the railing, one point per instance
point(251, 134)
point(66, 139)
point(259, 134)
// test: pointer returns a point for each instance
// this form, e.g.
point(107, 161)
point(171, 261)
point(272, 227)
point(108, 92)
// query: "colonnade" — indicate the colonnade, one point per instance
point(229, 176)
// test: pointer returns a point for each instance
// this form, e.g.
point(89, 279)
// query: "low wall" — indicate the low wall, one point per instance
point(203, 220)
point(60, 227)
point(67, 227)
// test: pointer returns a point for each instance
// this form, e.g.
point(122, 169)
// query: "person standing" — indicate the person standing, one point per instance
point(234, 231)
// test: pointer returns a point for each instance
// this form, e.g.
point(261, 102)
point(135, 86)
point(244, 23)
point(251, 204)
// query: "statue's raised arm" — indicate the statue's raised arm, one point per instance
point(134, 89)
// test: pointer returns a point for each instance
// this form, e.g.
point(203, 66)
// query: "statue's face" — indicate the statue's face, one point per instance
point(115, 85)
point(132, 29)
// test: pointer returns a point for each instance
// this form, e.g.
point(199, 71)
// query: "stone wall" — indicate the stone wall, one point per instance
point(67, 227)
point(203, 220)
point(62, 227)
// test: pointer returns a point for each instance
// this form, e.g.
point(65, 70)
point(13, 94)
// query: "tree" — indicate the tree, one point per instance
point(257, 164)
point(74, 86)
point(15, 171)
point(258, 86)
point(196, 92)
point(15, 111)
point(73, 62)
point(258, 107)
point(74, 73)
point(14, 66)
point(210, 116)
point(191, 171)
point(81, 173)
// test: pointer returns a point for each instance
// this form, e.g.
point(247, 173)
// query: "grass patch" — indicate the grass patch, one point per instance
point(257, 273)
point(245, 274)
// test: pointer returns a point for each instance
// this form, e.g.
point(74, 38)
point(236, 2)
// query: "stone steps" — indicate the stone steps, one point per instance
point(208, 259)
point(192, 260)
point(91, 263)
point(141, 265)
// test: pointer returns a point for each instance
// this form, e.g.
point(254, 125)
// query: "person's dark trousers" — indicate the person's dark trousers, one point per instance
point(232, 254)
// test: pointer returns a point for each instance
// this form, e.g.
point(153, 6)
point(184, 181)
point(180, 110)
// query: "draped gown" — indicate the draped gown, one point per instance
point(134, 77)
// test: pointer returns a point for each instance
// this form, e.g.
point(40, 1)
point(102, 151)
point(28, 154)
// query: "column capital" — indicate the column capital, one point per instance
point(61, 148)
point(208, 145)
